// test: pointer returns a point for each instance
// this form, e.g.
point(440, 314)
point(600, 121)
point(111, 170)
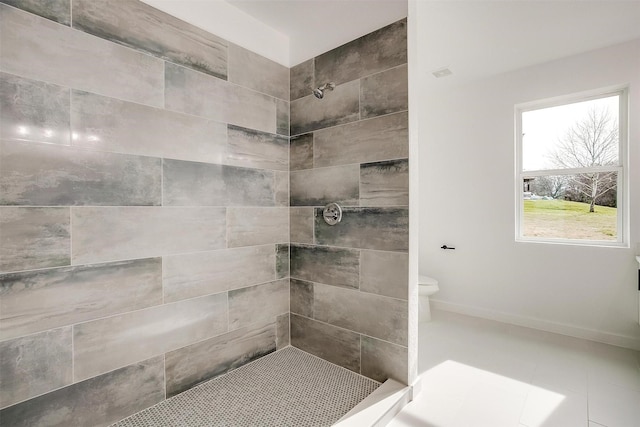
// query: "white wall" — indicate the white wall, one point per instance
point(468, 201)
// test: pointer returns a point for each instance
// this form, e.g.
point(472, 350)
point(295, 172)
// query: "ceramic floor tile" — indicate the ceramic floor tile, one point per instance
point(549, 408)
point(621, 372)
point(488, 405)
point(482, 373)
point(430, 409)
point(286, 388)
point(614, 406)
point(562, 376)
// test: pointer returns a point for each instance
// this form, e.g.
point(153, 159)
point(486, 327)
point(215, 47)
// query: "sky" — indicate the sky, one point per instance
point(544, 127)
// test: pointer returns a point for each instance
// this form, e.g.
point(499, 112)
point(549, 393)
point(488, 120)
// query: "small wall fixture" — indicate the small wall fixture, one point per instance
point(442, 72)
point(319, 91)
point(332, 213)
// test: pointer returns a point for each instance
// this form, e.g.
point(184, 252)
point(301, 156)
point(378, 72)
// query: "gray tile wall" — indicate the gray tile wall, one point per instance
point(147, 230)
point(144, 223)
point(349, 282)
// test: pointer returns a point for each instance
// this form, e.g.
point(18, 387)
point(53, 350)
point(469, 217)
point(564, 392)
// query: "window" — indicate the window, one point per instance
point(570, 169)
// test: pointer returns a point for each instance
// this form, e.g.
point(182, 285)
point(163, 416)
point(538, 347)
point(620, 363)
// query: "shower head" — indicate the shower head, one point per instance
point(319, 91)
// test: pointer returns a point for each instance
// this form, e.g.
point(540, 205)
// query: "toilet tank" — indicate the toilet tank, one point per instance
point(426, 280)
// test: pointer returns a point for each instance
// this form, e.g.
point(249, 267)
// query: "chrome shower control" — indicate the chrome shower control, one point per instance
point(332, 213)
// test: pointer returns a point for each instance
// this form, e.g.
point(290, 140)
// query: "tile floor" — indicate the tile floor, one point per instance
point(288, 388)
point(479, 373)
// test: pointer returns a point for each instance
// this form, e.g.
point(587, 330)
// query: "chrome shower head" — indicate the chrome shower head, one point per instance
point(319, 91)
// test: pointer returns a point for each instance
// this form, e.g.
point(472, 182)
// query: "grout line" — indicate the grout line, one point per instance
point(359, 99)
point(70, 241)
point(164, 373)
point(352, 122)
point(73, 355)
point(360, 348)
point(162, 161)
point(164, 85)
point(347, 329)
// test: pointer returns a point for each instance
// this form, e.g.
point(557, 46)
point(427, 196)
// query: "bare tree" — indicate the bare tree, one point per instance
point(553, 186)
point(589, 143)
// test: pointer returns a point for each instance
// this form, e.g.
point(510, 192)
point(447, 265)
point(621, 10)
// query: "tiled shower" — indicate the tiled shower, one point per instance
point(158, 225)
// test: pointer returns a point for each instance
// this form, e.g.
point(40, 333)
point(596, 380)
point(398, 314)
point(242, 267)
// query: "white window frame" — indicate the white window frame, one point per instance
point(621, 168)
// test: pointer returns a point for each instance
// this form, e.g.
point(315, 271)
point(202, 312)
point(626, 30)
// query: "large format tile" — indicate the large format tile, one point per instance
point(384, 93)
point(34, 238)
point(282, 117)
point(332, 344)
point(191, 365)
point(491, 403)
point(102, 345)
point(203, 273)
point(140, 26)
point(385, 229)
point(377, 51)
point(282, 188)
point(552, 407)
point(337, 107)
point(195, 93)
point(301, 152)
point(256, 72)
point(382, 360)
point(257, 226)
point(254, 149)
point(37, 48)
point(56, 10)
point(381, 138)
point(317, 187)
point(34, 365)
point(258, 303)
point(104, 234)
point(37, 300)
point(301, 225)
point(282, 261)
point(204, 184)
point(52, 175)
point(283, 338)
point(377, 316)
point(385, 183)
point(385, 273)
point(96, 402)
point(301, 79)
point(301, 294)
point(332, 266)
point(108, 124)
point(33, 111)
point(614, 406)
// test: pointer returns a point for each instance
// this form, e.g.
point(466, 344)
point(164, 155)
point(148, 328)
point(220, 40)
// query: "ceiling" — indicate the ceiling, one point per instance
point(316, 26)
point(476, 39)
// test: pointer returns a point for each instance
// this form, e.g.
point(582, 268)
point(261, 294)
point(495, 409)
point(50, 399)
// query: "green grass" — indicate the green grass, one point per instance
point(568, 220)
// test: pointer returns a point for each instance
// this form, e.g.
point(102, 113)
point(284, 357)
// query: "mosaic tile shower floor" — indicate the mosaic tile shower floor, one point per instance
point(285, 388)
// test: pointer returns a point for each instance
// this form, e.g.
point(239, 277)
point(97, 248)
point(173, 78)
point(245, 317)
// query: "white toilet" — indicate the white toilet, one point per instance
point(427, 286)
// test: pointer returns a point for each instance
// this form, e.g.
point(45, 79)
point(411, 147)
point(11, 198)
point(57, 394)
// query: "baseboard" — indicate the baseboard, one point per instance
point(543, 325)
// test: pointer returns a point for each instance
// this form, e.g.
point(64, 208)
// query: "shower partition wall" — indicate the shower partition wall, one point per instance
point(349, 282)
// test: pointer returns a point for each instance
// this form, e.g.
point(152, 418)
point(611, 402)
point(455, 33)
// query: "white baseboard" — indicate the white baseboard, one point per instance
point(543, 325)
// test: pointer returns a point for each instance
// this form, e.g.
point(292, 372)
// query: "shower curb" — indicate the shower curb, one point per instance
point(377, 409)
